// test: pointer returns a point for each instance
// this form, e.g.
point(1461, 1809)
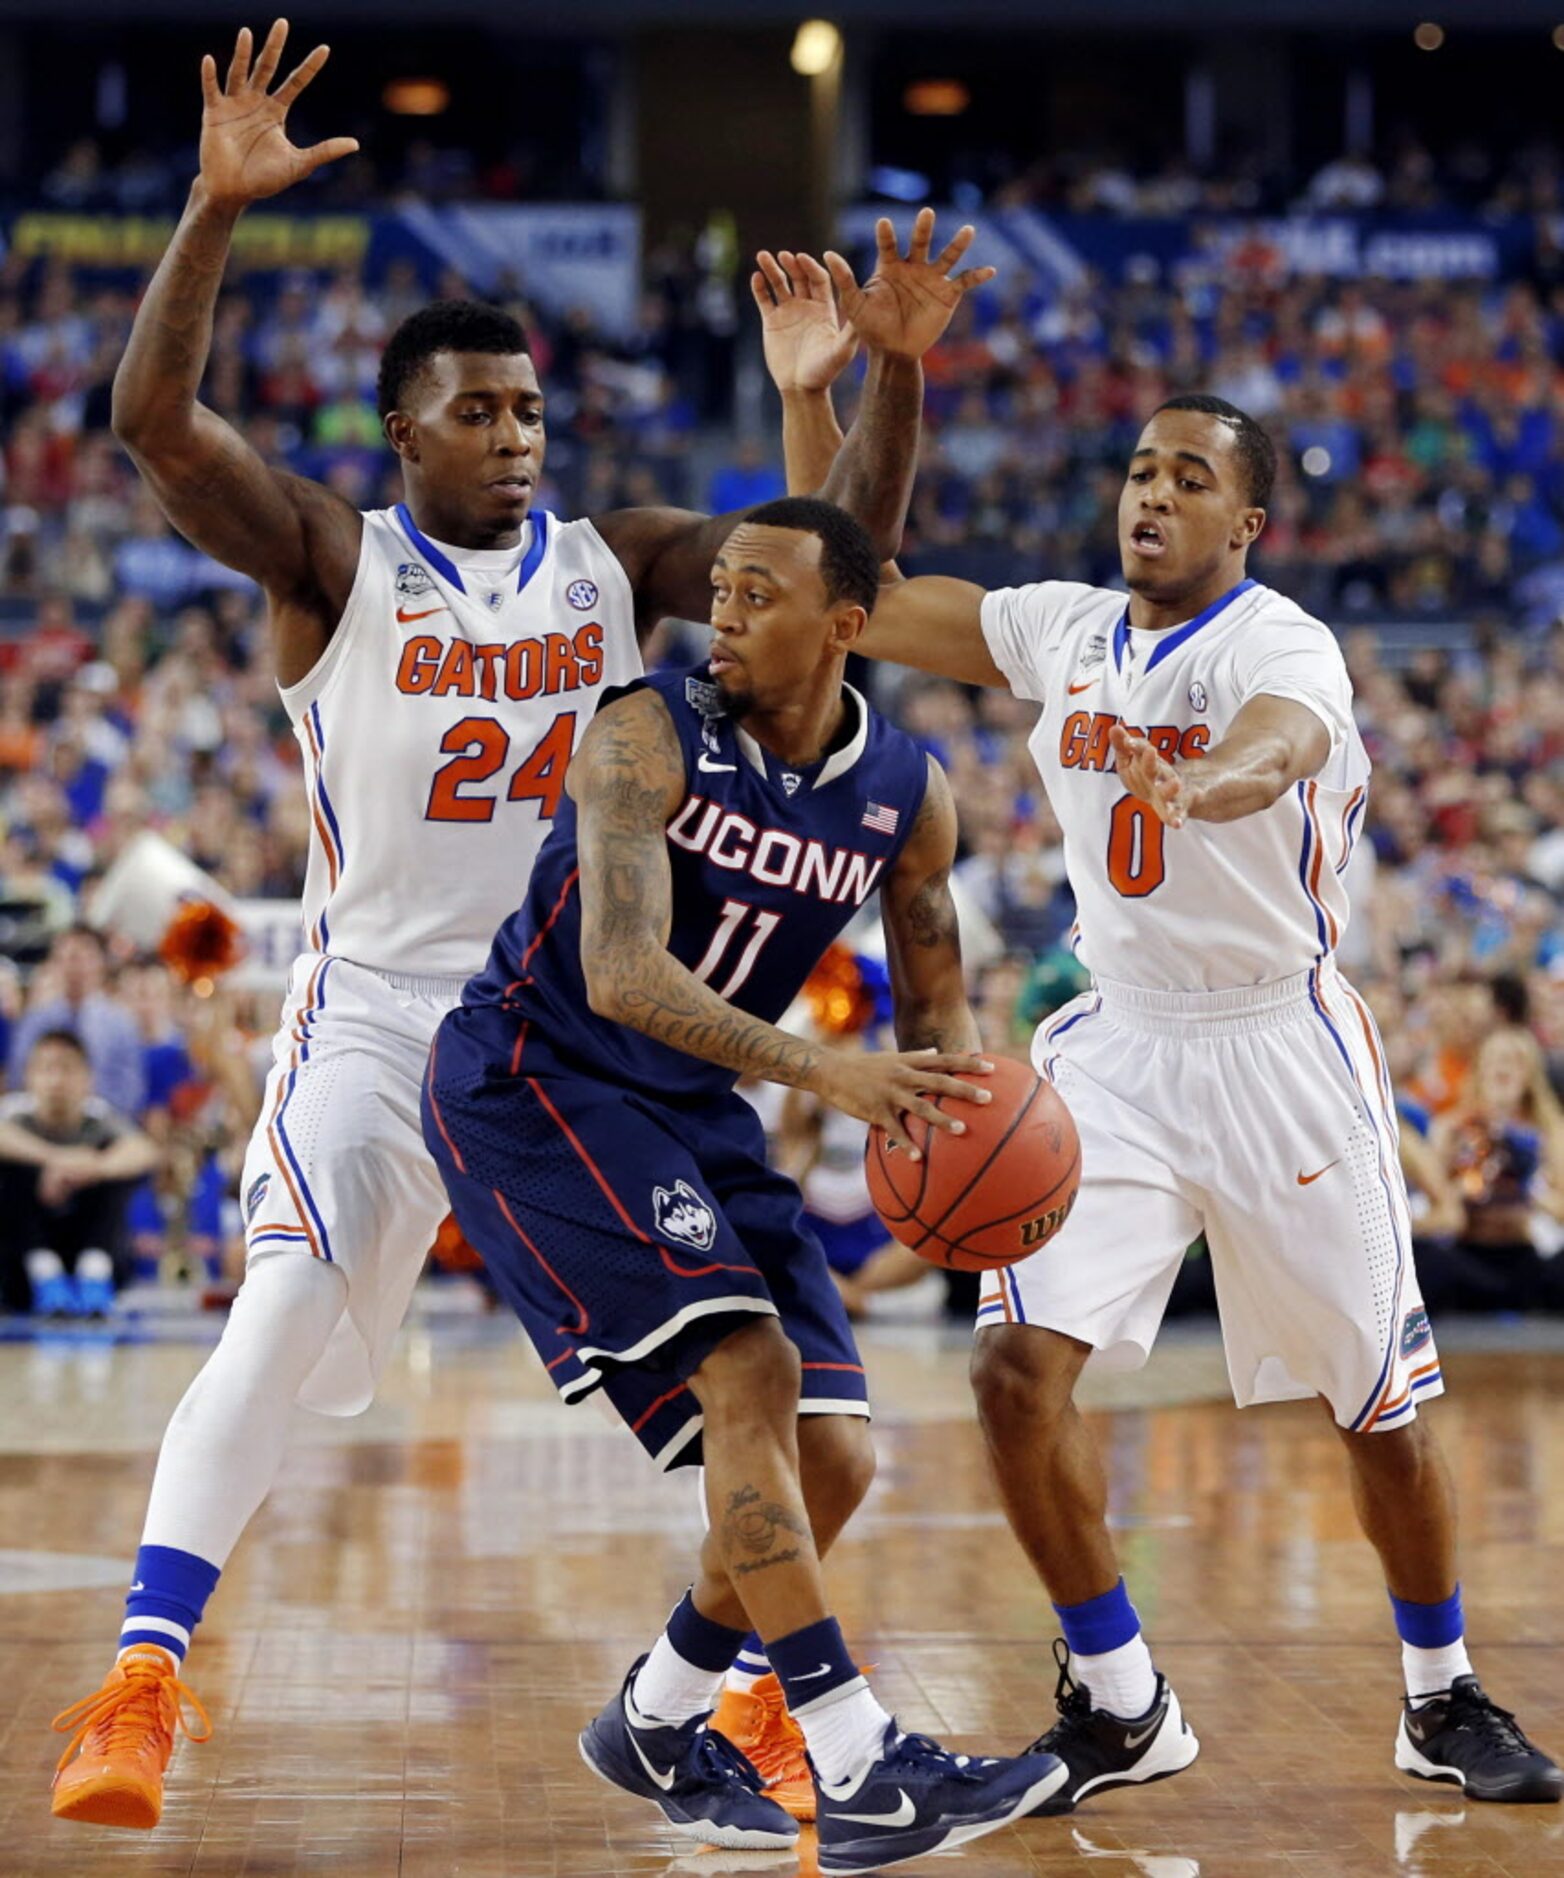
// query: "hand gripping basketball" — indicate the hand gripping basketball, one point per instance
point(993, 1194)
point(885, 1089)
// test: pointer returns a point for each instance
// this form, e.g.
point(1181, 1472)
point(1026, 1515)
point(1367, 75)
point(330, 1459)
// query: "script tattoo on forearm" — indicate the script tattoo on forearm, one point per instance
point(754, 1533)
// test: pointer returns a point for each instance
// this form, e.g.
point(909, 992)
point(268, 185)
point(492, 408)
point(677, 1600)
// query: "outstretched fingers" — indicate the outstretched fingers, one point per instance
point(842, 278)
point(328, 152)
point(971, 277)
point(922, 236)
point(211, 91)
point(239, 64)
point(774, 274)
point(271, 56)
point(301, 75)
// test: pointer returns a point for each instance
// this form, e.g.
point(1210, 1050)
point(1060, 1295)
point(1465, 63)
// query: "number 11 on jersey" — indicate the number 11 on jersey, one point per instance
point(733, 913)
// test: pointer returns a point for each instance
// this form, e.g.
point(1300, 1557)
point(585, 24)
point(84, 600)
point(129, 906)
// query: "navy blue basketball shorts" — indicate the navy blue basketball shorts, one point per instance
point(630, 1238)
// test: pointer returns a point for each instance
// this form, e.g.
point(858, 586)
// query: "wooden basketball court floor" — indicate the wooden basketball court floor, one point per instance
point(439, 1594)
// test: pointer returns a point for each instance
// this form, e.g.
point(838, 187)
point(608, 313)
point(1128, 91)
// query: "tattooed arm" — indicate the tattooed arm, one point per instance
point(297, 539)
point(628, 781)
point(922, 943)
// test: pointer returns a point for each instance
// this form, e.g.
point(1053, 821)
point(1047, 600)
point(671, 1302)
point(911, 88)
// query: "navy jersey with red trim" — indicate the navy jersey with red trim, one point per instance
point(769, 864)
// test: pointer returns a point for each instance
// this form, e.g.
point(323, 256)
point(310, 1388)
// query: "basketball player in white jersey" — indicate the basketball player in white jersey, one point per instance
point(439, 661)
point(1199, 750)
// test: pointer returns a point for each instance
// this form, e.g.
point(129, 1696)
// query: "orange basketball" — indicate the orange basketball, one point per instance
point(992, 1195)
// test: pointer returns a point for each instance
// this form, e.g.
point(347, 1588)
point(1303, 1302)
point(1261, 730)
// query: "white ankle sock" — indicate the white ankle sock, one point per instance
point(1122, 1681)
point(668, 1689)
point(1430, 1672)
point(843, 1732)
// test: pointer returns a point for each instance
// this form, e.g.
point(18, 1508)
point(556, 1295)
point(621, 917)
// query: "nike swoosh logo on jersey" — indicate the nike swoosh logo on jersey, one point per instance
point(704, 762)
point(904, 1815)
point(1076, 690)
point(406, 619)
point(138, 1586)
point(1308, 1180)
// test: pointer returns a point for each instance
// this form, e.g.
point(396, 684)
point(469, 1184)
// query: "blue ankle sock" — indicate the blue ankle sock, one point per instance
point(1100, 1624)
point(812, 1662)
point(1429, 1626)
point(168, 1593)
point(709, 1646)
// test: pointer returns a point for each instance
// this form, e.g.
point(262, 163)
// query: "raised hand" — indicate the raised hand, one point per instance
point(1150, 776)
point(806, 343)
point(909, 299)
point(245, 152)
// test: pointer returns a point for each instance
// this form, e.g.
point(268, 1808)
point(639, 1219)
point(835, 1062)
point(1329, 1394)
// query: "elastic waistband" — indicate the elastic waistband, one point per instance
point(419, 984)
point(1228, 1013)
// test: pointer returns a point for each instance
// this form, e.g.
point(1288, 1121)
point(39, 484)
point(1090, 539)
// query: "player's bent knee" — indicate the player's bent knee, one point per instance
point(1023, 1373)
point(837, 1452)
point(754, 1374)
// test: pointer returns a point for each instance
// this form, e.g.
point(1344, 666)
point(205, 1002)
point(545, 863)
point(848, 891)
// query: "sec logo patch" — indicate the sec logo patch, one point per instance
point(582, 595)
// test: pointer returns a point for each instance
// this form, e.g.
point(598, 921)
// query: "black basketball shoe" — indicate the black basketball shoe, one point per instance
point(1101, 1751)
point(1466, 1738)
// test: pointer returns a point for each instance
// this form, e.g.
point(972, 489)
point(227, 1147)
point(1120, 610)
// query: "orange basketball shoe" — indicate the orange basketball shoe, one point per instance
point(760, 1727)
point(125, 1734)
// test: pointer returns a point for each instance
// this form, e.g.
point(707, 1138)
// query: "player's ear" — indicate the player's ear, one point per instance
point(847, 625)
point(402, 435)
point(1247, 530)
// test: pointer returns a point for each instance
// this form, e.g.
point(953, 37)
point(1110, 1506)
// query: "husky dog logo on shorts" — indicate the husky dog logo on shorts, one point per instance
point(412, 580)
point(257, 1193)
point(684, 1216)
point(1415, 1331)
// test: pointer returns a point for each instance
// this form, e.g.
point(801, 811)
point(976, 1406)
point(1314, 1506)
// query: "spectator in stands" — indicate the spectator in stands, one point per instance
point(75, 1002)
point(67, 1161)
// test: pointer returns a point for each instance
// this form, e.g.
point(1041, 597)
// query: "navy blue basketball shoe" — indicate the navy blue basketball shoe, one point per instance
point(703, 1786)
point(918, 1798)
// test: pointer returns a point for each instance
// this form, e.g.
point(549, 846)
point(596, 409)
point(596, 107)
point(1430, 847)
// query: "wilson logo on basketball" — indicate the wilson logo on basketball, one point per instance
point(1035, 1232)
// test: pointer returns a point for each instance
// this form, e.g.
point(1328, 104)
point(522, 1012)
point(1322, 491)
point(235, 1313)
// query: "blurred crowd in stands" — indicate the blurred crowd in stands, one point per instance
point(1422, 444)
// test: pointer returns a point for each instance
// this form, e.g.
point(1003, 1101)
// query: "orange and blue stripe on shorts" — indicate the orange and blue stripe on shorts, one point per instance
point(309, 1231)
point(324, 817)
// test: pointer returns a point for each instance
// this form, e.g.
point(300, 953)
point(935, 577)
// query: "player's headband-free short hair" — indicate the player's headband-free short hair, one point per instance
point(849, 566)
point(442, 326)
point(1256, 452)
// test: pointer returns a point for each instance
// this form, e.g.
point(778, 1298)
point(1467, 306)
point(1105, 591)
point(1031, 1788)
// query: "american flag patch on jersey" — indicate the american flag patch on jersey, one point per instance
point(882, 820)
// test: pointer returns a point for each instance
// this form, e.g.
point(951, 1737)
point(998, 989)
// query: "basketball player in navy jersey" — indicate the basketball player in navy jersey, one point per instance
point(436, 659)
point(722, 827)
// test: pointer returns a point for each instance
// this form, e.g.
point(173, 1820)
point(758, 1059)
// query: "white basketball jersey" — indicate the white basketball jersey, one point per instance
point(1213, 905)
point(436, 730)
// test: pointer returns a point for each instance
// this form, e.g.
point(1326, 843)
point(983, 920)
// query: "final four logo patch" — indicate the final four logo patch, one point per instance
point(412, 580)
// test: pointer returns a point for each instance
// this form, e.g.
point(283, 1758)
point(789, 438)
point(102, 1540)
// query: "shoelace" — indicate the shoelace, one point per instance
point(1476, 1713)
point(125, 1704)
point(1073, 1701)
point(720, 1757)
point(927, 1756)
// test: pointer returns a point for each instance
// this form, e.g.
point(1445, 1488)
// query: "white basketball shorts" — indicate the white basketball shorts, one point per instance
point(1264, 1118)
point(336, 1167)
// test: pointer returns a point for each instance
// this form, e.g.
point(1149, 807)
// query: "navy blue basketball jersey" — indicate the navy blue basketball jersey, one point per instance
point(769, 864)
